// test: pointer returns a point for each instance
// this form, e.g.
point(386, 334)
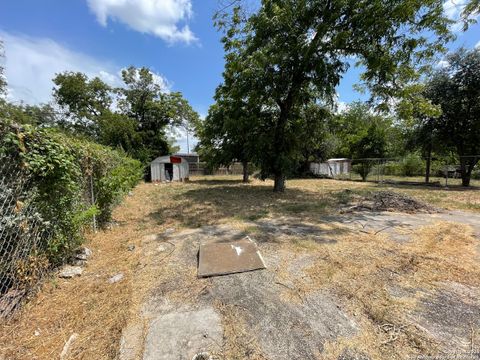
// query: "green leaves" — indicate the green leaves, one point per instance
point(138, 123)
point(3, 81)
point(60, 170)
point(83, 98)
point(455, 89)
point(291, 53)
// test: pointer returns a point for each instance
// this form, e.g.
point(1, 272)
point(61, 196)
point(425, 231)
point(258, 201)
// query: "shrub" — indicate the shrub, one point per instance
point(61, 171)
point(363, 169)
point(412, 165)
point(476, 172)
point(392, 168)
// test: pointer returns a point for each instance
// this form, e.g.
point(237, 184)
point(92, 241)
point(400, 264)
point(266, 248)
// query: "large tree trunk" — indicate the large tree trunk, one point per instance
point(428, 165)
point(466, 167)
point(427, 170)
point(279, 183)
point(279, 144)
point(465, 180)
point(245, 171)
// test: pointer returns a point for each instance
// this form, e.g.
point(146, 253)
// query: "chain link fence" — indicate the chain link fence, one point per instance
point(23, 237)
point(410, 169)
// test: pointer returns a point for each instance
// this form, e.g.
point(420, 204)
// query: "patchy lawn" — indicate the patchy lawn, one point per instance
point(339, 284)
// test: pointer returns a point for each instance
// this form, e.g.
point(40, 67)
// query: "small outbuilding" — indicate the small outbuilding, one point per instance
point(341, 166)
point(169, 168)
point(332, 167)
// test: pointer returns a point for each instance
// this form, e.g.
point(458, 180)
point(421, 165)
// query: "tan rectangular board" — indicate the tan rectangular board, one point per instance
point(224, 258)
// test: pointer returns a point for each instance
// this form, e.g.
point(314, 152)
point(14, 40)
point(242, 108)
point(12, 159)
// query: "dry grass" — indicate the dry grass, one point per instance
point(364, 270)
point(360, 268)
point(239, 344)
point(88, 305)
point(453, 197)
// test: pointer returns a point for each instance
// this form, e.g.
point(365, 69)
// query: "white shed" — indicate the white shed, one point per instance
point(332, 167)
point(169, 168)
point(340, 166)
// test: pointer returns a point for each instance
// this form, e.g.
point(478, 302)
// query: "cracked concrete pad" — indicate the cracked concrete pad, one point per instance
point(220, 258)
point(182, 335)
point(284, 330)
point(349, 354)
point(400, 227)
point(451, 316)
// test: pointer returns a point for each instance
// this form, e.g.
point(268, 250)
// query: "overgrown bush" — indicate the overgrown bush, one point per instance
point(412, 165)
point(392, 168)
point(476, 173)
point(363, 169)
point(61, 172)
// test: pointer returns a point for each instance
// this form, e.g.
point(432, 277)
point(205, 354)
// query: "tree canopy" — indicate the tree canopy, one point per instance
point(134, 117)
point(291, 52)
point(456, 89)
point(3, 80)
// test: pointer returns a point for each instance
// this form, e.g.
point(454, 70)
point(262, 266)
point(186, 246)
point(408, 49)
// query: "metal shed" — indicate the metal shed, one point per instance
point(341, 166)
point(332, 167)
point(169, 168)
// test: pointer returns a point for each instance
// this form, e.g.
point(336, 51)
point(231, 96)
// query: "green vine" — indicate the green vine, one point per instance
point(63, 170)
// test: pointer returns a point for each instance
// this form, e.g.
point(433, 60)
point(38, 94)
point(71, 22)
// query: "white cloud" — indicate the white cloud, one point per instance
point(477, 45)
point(31, 64)
point(453, 10)
point(182, 142)
point(162, 18)
point(179, 134)
point(442, 64)
point(341, 106)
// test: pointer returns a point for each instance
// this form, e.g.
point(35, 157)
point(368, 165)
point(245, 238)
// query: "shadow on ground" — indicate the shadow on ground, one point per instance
point(216, 200)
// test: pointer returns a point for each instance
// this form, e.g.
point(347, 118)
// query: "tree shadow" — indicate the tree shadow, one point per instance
point(416, 185)
point(264, 215)
point(216, 181)
point(294, 209)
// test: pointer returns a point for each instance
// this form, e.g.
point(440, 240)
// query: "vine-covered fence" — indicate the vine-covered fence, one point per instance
point(22, 233)
point(52, 188)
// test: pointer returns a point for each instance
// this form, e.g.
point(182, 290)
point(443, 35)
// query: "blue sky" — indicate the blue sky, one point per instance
point(175, 38)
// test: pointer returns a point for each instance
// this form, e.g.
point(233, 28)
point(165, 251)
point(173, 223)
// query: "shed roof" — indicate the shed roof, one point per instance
point(339, 159)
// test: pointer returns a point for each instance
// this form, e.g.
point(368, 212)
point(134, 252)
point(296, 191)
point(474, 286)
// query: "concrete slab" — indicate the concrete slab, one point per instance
point(182, 335)
point(221, 258)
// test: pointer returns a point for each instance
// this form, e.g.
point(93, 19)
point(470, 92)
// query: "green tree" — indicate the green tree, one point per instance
point(316, 140)
point(291, 52)
point(362, 135)
point(119, 131)
point(84, 100)
point(470, 13)
point(456, 89)
point(3, 80)
point(139, 121)
point(226, 134)
point(42, 115)
point(144, 100)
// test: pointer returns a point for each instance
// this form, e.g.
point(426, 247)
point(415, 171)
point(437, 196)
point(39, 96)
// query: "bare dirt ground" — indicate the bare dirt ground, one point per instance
point(342, 282)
